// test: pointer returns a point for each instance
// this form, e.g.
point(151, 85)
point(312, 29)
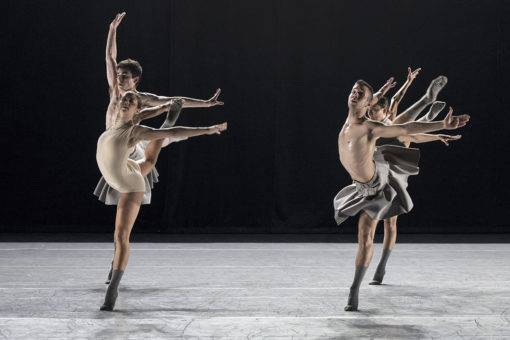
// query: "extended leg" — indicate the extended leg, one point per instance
point(430, 96)
point(171, 117)
point(127, 210)
point(435, 108)
point(366, 231)
point(390, 237)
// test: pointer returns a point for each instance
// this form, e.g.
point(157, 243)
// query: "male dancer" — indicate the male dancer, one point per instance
point(379, 174)
point(125, 76)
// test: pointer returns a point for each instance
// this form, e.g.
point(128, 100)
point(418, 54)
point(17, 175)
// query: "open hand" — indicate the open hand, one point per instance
point(411, 75)
point(454, 122)
point(446, 138)
point(214, 99)
point(388, 85)
point(217, 129)
point(116, 22)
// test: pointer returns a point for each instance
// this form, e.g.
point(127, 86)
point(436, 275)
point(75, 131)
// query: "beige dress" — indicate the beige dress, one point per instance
point(120, 172)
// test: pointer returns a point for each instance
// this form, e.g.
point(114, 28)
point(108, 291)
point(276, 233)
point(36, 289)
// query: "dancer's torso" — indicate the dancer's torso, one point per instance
point(113, 150)
point(356, 150)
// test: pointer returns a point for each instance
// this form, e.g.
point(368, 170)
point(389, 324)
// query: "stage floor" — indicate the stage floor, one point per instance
point(193, 290)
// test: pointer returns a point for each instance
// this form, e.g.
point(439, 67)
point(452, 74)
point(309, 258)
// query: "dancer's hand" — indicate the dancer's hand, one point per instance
point(214, 99)
point(454, 122)
point(388, 85)
point(116, 22)
point(411, 75)
point(446, 138)
point(217, 129)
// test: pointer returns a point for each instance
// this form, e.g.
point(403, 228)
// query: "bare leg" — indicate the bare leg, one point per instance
point(127, 211)
point(151, 156)
point(390, 237)
point(366, 231)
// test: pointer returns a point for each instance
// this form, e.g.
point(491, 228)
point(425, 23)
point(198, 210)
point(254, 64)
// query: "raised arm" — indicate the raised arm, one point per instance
point(148, 133)
point(111, 51)
point(382, 91)
point(150, 99)
point(449, 123)
point(397, 98)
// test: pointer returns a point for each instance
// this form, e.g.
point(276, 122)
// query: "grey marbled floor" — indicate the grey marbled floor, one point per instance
point(253, 291)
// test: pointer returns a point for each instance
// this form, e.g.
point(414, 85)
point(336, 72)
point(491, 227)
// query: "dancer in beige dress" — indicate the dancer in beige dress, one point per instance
point(127, 176)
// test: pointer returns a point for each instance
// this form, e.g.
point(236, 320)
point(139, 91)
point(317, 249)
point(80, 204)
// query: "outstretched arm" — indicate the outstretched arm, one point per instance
point(397, 98)
point(425, 138)
point(449, 123)
point(148, 133)
point(155, 110)
point(150, 99)
point(382, 91)
point(111, 51)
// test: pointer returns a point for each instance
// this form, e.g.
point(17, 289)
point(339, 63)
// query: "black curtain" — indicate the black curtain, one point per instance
point(285, 69)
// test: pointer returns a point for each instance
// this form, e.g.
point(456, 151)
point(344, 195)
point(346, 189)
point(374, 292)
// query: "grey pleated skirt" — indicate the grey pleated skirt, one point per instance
point(109, 196)
point(385, 195)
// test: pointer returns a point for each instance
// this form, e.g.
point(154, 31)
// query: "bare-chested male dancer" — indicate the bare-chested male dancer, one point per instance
point(123, 77)
point(379, 174)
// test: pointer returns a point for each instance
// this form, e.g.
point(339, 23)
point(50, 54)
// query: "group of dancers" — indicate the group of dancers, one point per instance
point(373, 147)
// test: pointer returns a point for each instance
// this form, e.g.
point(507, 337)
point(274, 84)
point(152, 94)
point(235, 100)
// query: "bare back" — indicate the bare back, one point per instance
point(356, 148)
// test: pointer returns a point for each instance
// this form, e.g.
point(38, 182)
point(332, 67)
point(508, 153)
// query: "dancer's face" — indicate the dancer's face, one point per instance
point(129, 105)
point(358, 99)
point(377, 112)
point(125, 79)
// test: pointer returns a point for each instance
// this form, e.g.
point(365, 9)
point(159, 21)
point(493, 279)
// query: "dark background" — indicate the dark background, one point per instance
point(285, 69)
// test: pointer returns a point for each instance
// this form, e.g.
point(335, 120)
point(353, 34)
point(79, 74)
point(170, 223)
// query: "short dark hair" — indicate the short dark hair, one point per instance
point(383, 102)
point(132, 66)
point(361, 82)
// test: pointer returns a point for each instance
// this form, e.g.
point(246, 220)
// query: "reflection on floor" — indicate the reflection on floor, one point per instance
point(254, 290)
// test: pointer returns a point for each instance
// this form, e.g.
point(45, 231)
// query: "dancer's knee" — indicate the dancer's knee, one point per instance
point(365, 240)
point(121, 238)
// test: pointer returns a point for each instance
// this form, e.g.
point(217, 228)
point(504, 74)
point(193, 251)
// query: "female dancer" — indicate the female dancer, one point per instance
point(387, 113)
point(127, 176)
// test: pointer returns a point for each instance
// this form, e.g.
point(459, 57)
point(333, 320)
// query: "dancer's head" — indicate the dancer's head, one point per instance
point(360, 97)
point(379, 111)
point(129, 73)
point(130, 104)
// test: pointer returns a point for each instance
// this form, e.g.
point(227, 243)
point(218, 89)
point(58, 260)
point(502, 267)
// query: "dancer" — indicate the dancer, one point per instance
point(379, 173)
point(125, 76)
point(126, 175)
point(383, 112)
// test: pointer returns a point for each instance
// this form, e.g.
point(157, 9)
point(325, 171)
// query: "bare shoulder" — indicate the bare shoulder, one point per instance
point(146, 96)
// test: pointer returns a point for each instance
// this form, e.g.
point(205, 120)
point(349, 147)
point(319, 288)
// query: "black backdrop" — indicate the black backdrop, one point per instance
point(285, 68)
